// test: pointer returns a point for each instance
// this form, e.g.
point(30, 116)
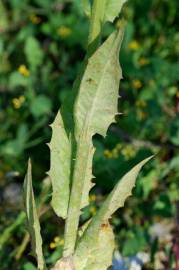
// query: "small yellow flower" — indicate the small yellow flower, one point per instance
point(52, 245)
point(92, 198)
point(137, 84)
point(93, 210)
point(24, 71)
point(35, 19)
point(17, 102)
point(61, 243)
point(57, 239)
point(64, 31)
point(177, 94)
point(107, 154)
point(128, 152)
point(134, 45)
point(143, 61)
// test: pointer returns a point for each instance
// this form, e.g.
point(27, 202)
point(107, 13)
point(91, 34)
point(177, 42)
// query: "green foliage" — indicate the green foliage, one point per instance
point(33, 52)
point(104, 242)
point(60, 167)
point(149, 103)
point(112, 9)
point(86, 247)
point(95, 106)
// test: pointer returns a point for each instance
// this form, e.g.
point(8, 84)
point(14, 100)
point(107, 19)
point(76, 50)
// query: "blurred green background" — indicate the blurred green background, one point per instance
point(42, 43)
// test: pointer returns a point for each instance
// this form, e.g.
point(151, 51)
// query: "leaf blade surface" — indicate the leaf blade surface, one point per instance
point(32, 220)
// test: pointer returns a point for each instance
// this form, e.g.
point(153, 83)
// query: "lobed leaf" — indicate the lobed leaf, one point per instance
point(97, 100)
point(32, 219)
point(85, 248)
point(96, 108)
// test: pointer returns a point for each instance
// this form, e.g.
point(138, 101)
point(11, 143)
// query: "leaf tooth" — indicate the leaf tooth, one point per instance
point(118, 113)
point(48, 144)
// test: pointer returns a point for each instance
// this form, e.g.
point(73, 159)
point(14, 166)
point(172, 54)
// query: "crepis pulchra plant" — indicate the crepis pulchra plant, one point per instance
point(89, 110)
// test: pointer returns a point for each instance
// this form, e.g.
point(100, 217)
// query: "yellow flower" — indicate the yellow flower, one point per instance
point(107, 154)
point(137, 84)
point(143, 61)
point(52, 245)
point(35, 19)
point(134, 45)
point(64, 31)
point(24, 71)
point(93, 210)
point(92, 198)
point(17, 102)
point(57, 239)
point(128, 152)
point(177, 94)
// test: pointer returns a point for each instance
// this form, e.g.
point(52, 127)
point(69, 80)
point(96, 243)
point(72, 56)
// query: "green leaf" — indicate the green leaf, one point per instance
point(135, 242)
point(94, 110)
point(41, 105)
point(115, 200)
point(60, 152)
point(3, 17)
point(33, 52)
point(32, 219)
point(113, 8)
point(29, 266)
point(148, 182)
point(16, 79)
point(8, 231)
point(102, 254)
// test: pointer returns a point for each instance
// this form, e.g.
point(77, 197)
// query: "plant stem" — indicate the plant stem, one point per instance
point(83, 150)
point(71, 228)
point(21, 249)
point(96, 24)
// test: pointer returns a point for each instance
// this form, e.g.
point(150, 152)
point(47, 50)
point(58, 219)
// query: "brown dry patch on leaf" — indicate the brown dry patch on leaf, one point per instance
point(105, 226)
